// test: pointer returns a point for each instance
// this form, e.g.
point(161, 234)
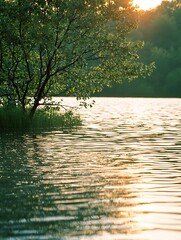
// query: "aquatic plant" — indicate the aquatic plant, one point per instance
point(14, 118)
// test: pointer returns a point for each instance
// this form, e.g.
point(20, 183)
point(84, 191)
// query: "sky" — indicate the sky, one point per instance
point(147, 4)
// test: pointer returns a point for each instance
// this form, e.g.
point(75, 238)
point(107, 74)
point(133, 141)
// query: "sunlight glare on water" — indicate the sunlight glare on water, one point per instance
point(116, 177)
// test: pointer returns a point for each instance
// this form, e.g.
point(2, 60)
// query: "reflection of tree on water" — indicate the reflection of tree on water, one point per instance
point(20, 187)
point(49, 188)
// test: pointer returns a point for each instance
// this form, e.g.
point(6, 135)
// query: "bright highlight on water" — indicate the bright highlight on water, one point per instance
point(117, 177)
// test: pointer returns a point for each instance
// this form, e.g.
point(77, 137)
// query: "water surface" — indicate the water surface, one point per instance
point(117, 177)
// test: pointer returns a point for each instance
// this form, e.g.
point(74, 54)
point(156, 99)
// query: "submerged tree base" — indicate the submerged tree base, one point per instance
point(15, 118)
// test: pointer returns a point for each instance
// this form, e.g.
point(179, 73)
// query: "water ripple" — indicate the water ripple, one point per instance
point(118, 177)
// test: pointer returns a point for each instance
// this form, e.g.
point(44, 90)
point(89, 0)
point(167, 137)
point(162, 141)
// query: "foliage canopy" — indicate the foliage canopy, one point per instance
point(67, 47)
point(163, 45)
point(160, 29)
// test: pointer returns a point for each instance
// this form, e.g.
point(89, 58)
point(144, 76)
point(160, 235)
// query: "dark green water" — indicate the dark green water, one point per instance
point(118, 177)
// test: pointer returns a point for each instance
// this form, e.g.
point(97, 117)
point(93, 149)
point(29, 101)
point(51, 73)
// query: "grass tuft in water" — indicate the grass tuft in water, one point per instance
point(14, 118)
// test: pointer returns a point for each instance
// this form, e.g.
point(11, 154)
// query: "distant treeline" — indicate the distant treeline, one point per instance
point(160, 29)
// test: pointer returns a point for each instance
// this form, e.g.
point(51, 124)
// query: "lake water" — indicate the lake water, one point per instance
point(118, 177)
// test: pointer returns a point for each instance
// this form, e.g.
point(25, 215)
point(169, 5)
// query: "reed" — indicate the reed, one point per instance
point(14, 118)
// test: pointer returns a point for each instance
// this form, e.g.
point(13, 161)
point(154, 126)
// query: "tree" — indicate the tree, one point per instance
point(160, 29)
point(65, 46)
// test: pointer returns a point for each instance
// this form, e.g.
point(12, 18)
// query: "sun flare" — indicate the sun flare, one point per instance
point(147, 4)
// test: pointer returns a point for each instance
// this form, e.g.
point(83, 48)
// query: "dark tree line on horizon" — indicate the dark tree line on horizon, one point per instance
point(160, 29)
point(79, 48)
point(65, 46)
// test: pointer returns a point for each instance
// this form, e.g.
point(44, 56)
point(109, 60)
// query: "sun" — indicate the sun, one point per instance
point(147, 4)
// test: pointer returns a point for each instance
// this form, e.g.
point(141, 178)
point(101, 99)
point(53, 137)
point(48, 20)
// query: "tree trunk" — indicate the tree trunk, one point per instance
point(40, 92)
point(33, 109)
